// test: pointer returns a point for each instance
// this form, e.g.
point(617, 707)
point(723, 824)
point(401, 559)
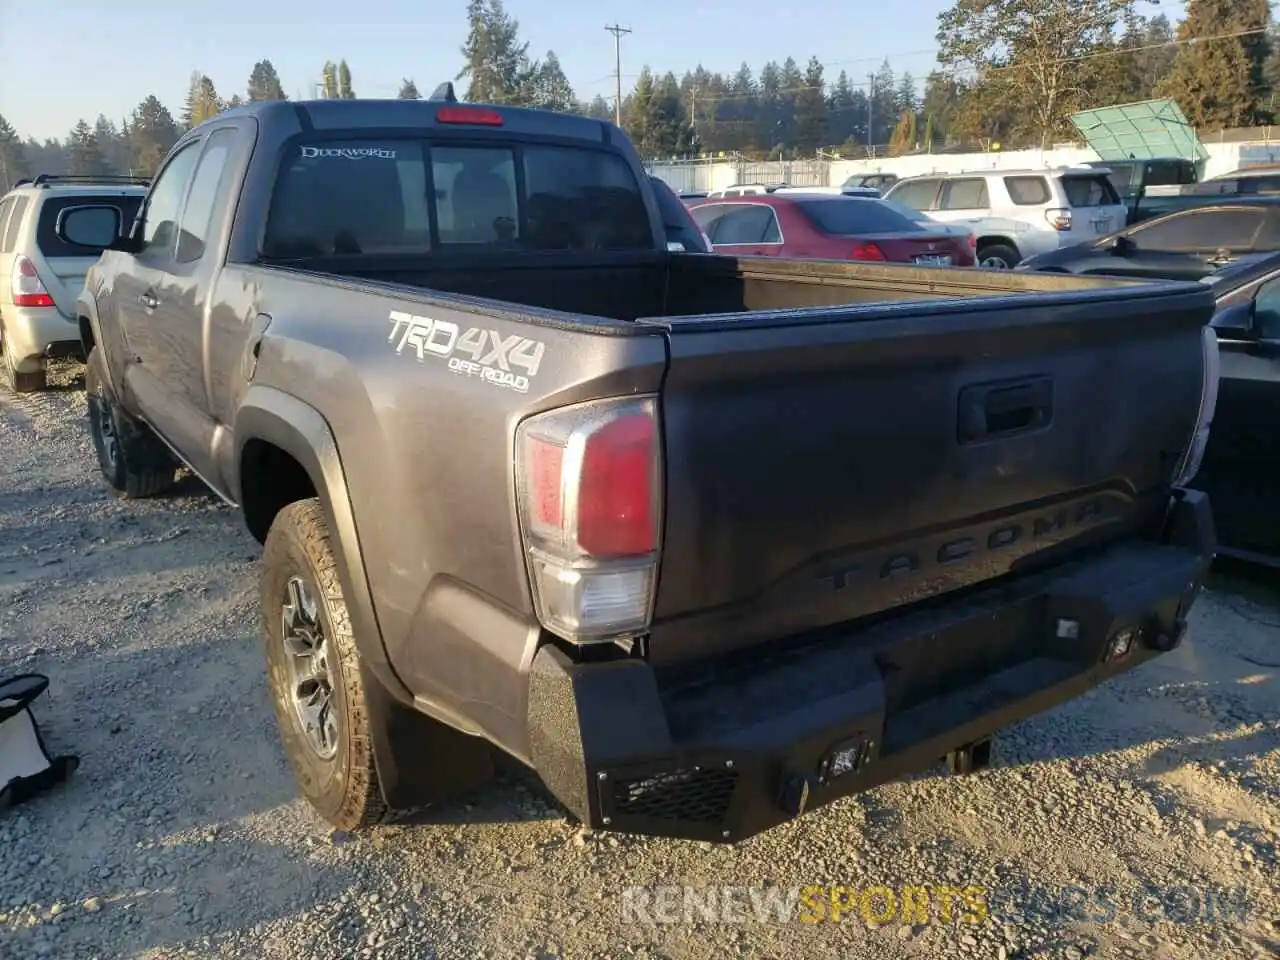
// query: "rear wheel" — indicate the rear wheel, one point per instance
point(998, 256)
point(313, 670)
point(132, 459)
point(15, 380)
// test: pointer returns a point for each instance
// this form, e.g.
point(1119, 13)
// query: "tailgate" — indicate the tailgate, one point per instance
point(830, 464)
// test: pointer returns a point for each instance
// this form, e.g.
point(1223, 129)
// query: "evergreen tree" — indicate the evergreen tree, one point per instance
point(152, 132)
point(548, 87)
point(495, 62)
point(264, 83)
point(903, 139)
point(344, 82)
point(329, 80)
point(408, 91)
point(85, 157)
point(113, 144)
point(13, 156)
point(1218, 80)
point(811, 110)
point(202, 101)
point(598, 109)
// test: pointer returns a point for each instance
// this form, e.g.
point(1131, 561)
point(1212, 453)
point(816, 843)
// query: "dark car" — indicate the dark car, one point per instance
point(825, 226)
point(1184, 245)
point(1241, 467)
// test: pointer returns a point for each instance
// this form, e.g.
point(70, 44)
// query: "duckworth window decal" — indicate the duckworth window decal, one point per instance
point(347, 153)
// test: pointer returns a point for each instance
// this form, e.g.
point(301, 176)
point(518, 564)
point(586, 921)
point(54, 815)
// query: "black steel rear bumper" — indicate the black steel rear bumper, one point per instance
point(737, 751)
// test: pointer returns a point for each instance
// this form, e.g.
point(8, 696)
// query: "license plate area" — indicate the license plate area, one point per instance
point(933, 260)
point(1101, 226)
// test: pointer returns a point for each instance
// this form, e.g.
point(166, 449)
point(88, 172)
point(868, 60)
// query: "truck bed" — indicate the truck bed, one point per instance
point(659, 285)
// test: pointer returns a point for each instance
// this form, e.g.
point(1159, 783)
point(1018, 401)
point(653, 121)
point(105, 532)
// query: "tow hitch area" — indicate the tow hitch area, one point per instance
point(970, 758)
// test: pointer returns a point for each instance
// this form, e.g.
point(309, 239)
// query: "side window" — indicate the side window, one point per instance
point(197, 215)
point(1266, 310)
point(165, 202)
point(746, 223)
point(916, 193)
point(708, 215)
point(5, 207)
point(1027, 191)
point(967, 194)
point(15, 223)
point(1202, 230)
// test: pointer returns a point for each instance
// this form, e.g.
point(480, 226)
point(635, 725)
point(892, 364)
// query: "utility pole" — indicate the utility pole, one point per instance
point(617, 32)
point(871, 106)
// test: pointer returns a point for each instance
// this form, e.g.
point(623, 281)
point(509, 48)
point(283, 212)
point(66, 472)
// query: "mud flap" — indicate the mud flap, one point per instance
point(26, 767)
point(420, 760)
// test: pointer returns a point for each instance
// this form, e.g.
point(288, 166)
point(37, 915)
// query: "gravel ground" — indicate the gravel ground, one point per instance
point(182, 835)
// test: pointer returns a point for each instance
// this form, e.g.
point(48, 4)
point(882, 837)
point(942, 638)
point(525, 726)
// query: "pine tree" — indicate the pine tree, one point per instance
point(13, 156)
point(1218, 80)
point(344, 82)
point(904, 134)
point(496, 63)
point(264, 83)
point(811, 110)
point(84, 155)
point(202, 101)
point(329, 80)
point(548, 87)
point(409, 91)
point(152, 132)
point(113, 145)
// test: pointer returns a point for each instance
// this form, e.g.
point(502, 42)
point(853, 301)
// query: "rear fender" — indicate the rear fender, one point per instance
point(419, 759)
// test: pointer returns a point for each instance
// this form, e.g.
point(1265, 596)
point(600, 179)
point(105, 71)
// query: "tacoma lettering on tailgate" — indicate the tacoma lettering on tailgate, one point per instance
point(492, 356)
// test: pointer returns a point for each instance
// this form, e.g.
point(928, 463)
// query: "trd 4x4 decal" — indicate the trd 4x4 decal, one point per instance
point(493, 357)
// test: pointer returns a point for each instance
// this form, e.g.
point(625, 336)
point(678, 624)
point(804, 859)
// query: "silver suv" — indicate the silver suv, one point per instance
point(41, 275)
point(1018, 213)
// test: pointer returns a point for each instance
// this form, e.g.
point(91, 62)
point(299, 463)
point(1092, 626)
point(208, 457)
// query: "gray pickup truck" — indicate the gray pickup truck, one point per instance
point(705, 541)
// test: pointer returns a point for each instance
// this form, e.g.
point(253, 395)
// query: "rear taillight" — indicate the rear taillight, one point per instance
point(589, 496)
point(471, 116)
point(27, 287)
point(867, 251)
point(1059, 218)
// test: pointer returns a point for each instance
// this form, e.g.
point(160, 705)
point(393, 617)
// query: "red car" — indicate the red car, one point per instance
point(825, 227)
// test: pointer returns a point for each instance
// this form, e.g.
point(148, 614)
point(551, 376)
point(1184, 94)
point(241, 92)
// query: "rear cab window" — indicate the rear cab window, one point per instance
point(413, 196)
point(740, 223)
point(1089, 190)
point(848, 216)
point(1027, 191)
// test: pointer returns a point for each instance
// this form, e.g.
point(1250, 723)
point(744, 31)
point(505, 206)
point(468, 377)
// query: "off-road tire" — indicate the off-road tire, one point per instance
point(31, 382)
point(141, 465)
point(344, 790)
point(999, 251)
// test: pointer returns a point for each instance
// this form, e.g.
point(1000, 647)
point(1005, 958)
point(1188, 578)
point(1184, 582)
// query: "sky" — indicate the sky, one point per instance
point(108, 55)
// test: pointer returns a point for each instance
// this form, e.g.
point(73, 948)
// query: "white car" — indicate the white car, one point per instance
point(1016, 214)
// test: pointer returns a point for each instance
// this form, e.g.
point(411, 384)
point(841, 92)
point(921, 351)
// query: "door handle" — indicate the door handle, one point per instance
point(148, 300)
point(990, 411)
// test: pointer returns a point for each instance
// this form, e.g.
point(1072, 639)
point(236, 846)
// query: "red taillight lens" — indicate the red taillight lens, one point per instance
point(867, 251)
point(589, 503)
point(27, 289)
point(615, 494)
point(469, 115)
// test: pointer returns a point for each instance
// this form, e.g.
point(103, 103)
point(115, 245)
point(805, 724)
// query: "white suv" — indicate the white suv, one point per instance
point(41, 275)
point(1018, 213)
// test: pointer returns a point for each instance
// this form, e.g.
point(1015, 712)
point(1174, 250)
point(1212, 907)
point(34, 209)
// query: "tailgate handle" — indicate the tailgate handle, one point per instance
point(991, 411)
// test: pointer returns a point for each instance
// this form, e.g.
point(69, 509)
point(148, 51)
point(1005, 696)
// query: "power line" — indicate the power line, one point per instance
point(617, 32)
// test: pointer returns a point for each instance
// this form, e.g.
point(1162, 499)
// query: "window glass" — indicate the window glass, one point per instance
point(165, 202)
point(1121, 179)
point(15, 224)
point(51, 245)
point(1201, 230)
point(708, 215)
point(5, 206)
point(676, 221)
point(1266, 310)
point(1027, 191)
point(745, 223)
point(916, 193)
point(1090, 191)
point(197, 216)
point(848, 216)
point(1259, 184)
point(350, 197)
point(967, 194)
